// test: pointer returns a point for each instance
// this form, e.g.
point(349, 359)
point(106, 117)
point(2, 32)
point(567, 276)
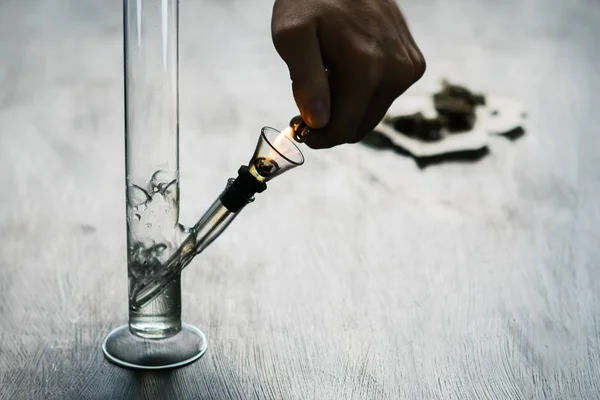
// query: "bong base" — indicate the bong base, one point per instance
point(125, 349)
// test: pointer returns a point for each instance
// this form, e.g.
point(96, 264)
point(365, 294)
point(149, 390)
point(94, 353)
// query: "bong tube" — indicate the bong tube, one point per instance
point(207, 229)
point(275, 153)
point(237, 194)
point(152, 157)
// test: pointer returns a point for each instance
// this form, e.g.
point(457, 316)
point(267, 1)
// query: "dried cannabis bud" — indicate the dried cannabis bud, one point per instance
point(461, 92)
point(457, 105)
point(418, 126)
point(265, 167)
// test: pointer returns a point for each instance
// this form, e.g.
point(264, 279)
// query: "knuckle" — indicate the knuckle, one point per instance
point(407, 68)
point(368, 53)
point(419, 64)
point(287, 30)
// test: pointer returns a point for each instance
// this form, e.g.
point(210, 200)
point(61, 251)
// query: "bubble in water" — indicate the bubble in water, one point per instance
point(159, 179)
point(158, 176)
point(152, 253)
point(170, 189)
point(159, 248)
point(136, 196)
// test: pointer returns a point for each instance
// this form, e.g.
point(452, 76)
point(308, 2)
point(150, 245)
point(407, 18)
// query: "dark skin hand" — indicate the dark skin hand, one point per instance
point(348, 61)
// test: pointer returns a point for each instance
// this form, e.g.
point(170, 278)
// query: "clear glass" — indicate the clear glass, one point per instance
point(155, 336)
point(274, 154)
point(206, 230)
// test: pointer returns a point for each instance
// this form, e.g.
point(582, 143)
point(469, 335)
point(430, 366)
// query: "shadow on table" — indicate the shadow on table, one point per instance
point(154, 384)
point(189, 382)
point(197, 381)
point(377, 141)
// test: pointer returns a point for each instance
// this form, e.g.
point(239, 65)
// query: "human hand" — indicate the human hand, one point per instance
point(348, 61)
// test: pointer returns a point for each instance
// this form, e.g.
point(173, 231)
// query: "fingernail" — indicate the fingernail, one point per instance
point(318, 114)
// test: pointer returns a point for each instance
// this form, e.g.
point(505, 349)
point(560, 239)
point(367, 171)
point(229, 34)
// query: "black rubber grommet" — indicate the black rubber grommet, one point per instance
point(242, 190)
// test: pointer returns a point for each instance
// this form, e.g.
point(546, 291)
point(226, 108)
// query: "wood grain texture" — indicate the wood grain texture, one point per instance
point(383, 281)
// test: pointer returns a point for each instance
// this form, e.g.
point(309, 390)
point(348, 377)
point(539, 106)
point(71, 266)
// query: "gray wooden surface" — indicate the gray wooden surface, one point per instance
point(380, 281)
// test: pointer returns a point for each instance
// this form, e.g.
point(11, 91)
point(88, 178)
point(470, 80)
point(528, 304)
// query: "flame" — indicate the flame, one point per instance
point(287, 132)
point(264, 166)
point(280, 143)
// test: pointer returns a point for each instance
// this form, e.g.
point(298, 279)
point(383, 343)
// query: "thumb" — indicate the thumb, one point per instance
point(299, 48)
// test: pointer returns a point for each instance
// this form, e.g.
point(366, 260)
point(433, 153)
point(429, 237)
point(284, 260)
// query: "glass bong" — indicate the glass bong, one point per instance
point(159, 247)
